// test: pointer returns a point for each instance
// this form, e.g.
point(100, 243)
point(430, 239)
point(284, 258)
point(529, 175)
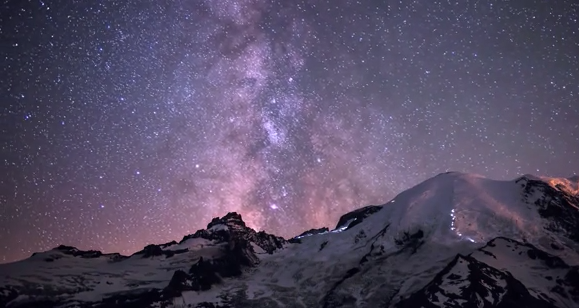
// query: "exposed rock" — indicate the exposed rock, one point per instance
point(392, 261)
point(153, 250)
point(558, 207)
point(357, 216)
point(466, 282)
point(314, 232)
point(232, 225)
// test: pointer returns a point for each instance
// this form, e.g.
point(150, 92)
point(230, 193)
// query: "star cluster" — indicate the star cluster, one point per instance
point(126, 123)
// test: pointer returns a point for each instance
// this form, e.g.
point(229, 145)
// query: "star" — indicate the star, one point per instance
point(165, 114)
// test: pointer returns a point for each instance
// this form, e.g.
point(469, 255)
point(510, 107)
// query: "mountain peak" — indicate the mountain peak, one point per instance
point(453, 240)
point(230, 219)
point(458, 206)
point(568, 185)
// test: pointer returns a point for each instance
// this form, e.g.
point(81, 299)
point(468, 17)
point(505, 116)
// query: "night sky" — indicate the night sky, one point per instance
point(128, 122)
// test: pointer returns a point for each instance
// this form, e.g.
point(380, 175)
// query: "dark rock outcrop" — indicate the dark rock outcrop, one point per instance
point(530, 250)
point(297, 239)
point(7, 294)
point(153, 250)
point(237, 253)
point(313, 232)
point(357, 216)
point(336, 299)
point(554, 204)
point(475, 281)
point(75, 252)
point(466, 282)
point(234, 226)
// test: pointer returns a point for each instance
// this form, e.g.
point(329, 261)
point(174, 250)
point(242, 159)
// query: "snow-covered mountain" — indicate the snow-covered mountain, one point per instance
point(455, 240)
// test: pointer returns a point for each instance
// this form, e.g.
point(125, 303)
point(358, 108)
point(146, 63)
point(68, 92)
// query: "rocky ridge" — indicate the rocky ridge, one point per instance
point(236, 250)
point(455, 240)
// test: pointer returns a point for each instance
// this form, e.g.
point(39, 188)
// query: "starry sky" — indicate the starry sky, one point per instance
point(130, 122)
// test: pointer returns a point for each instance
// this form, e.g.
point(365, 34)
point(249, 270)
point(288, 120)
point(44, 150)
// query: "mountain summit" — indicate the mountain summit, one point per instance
point(455, 240)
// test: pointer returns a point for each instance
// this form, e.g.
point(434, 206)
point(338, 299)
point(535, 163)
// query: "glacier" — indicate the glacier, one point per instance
point(454, 240)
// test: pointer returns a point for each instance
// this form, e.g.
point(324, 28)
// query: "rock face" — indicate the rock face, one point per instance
point(237, 253)
point(225, 249)
point(232, 227)
point(90, 254)
point(314, 232)
point(554, 203)
point(466, 282)
point(455, 240)
point(472, 281)
point(357, 216)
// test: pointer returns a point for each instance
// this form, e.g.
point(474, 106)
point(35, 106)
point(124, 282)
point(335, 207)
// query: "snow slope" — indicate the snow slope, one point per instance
point(451, 241)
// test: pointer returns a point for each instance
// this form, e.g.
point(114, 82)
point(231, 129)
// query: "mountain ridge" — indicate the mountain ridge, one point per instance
point(365, 210)
point(407, 252)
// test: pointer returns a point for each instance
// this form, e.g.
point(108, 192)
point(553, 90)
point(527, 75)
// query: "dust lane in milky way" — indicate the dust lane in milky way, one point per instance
point(135, 122)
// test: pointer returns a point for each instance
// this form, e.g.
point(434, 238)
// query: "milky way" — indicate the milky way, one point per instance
point(126, 123)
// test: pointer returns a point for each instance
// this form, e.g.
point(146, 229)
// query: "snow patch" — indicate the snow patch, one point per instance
point(257, 249)
point(456, 207)
point(344, 227)
point(191, 244)
point(218, 227)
